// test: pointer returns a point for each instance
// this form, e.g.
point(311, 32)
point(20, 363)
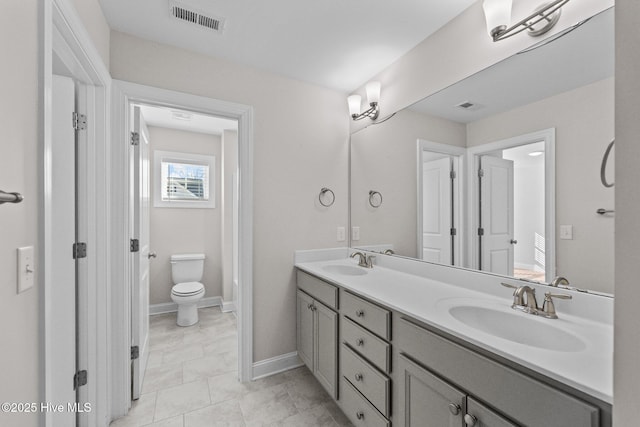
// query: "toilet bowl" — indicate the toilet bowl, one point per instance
point(186, 272)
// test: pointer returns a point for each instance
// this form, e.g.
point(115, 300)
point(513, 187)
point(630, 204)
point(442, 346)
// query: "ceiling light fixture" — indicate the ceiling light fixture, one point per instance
point(498, 16)
point(373, 96)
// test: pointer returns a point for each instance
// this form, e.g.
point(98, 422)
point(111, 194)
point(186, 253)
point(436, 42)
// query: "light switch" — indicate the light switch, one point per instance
point(341, 234)
point(566, 232)
point(355, 233)
point(26, 268)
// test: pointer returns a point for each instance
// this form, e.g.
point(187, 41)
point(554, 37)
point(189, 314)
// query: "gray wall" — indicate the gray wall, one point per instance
point(185, 230)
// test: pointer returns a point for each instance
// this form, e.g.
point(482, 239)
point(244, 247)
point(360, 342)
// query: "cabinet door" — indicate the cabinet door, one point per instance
point(326, 345)
point(427, 401)
point(305, 328)
point(479, 415)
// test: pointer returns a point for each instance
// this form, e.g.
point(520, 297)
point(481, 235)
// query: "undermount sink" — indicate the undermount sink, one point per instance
point(347, 270)
point(517, 327)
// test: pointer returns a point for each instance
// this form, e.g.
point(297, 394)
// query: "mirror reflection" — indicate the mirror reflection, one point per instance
point(501, 171)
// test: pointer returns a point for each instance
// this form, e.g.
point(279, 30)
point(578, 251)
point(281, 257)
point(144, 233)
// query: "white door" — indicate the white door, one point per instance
point(496, 215)
point(141, 254)
point(62, 298)
point(437, 211)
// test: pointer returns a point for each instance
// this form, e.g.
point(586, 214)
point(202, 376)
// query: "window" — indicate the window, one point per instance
point(184, 180)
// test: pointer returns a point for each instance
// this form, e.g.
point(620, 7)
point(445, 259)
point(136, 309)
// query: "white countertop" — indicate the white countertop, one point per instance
point(588, 369)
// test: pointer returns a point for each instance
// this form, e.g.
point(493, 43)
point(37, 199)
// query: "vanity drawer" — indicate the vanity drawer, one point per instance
point(374, 318)
point(518, 396)
point(359, 411)
point(373, 385)
point(320, 290)
point(376, 350)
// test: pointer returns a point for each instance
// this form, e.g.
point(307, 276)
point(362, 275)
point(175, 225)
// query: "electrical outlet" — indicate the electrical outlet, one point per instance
point(355, 233)
point(341, 234)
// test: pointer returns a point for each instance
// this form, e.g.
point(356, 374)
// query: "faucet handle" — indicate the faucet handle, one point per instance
point(507, 285)
point(518, 298)
point(548, 308)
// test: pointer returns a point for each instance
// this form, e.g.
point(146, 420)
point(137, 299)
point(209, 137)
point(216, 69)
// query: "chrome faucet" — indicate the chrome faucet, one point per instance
point(559, 280)
point(364, 260)
point(547, 310)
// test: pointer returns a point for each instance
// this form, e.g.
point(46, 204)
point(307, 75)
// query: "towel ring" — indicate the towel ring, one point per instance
point(603, 166)
point(375, 198)
point(323, 192)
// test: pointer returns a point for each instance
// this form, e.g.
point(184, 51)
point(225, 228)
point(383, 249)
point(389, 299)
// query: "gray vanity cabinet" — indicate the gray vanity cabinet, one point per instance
point(317, 331)
point(428, 401)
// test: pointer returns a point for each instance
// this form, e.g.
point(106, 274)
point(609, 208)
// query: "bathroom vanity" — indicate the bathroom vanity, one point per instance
point(417, 344)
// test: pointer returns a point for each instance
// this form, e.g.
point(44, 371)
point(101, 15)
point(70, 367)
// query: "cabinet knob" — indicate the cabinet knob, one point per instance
point(454, 408)
point(358, 376)
point(310, 306)
point(470, 420)
point(360, 415)
point(360, 342)
point(360, 313)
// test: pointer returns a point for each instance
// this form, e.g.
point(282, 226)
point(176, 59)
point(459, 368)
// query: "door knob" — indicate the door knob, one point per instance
point(514, 242)
point(152, 255)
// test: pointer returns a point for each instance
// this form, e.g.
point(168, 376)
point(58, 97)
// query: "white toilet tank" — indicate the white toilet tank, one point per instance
point(187, 267)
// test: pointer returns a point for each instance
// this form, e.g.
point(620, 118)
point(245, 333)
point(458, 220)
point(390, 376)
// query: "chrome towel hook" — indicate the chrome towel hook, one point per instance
point(10, 197)
point(603, 167)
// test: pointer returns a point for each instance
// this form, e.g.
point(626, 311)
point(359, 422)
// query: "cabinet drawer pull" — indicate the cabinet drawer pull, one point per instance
point(358, 376)
point(360, 313)
point(309, 306)
point(454, 408)
point(360, 342)
point(360, 415)
point(470, 420)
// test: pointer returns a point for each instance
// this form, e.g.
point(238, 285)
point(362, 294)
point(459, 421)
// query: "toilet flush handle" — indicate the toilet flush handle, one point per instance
point(152, 255)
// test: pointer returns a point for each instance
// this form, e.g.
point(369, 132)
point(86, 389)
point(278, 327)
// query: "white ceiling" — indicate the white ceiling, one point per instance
point(339, 44)
point(174, 118)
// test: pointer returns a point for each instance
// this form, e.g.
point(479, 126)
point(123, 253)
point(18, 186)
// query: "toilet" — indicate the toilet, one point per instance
point(186, 272)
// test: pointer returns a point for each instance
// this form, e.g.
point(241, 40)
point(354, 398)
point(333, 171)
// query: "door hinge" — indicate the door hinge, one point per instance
point(480, 173)
point(480, 231)
point(135, 352)
point(79, 250)
point(135, 138)
point(134, 245)
point(79, 121)
point(452, 174)
point(454, 231)
point(79, 379)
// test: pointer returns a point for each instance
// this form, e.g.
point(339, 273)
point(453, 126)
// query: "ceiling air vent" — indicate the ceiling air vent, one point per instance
point(469, 106)
point(193, 16)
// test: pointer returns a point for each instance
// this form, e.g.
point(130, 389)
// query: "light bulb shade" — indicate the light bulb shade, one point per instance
point(354, 104)
point(373, 92)
point(498, 14)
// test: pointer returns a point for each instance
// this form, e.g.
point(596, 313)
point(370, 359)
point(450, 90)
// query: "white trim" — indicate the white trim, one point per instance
point(125, 93)
point(228, 306)
point(172, 307)
point(275, 365)
point(549, 138)
point(460, 192)
point(62, 31)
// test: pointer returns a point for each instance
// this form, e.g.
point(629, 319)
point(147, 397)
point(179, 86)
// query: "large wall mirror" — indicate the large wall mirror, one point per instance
point(501, 172)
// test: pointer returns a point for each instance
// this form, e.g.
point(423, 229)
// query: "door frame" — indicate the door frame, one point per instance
point(460, 191)
point(124, 95)
point(548, 136)
point(63, 34)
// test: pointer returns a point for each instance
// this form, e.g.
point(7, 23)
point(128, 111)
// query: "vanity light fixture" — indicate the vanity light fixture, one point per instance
point(536, 153)
point(498, 16)
point(373, 96)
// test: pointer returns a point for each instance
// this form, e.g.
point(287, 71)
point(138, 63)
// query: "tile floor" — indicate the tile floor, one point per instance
point(191, 382)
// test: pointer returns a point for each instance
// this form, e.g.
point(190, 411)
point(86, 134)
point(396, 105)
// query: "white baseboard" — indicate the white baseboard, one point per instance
point(228, 306)
point(275, 365)
point(172, 307)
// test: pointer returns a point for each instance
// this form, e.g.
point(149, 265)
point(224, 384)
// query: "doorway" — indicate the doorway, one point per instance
point(126, 96)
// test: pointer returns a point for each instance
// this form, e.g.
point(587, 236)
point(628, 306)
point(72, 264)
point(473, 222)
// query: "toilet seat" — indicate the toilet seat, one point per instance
point(186, 289)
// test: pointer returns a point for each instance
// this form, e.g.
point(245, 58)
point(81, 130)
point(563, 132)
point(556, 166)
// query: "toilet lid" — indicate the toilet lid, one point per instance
point(187, 288)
